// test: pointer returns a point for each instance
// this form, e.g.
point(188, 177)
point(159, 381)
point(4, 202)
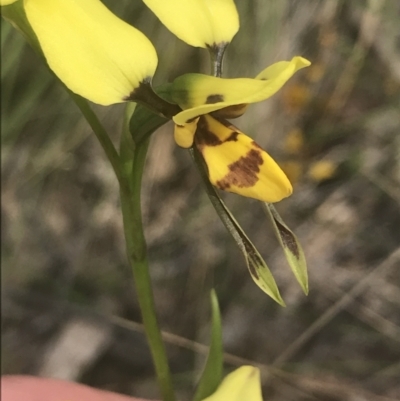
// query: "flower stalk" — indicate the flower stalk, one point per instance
point(216, 55)
point(137, 252)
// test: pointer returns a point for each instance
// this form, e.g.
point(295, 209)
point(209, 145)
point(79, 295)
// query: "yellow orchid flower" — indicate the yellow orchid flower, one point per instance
point(243, 384)
point(235, 162)
point(200, 23)
point(116, 64)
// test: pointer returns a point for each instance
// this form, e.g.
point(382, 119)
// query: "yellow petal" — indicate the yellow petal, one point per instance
point(184, 134)
point(237, 164)
point(6, 2)
point(202, 94)
point(95, 54)
point(199, 23)
point(243, 384)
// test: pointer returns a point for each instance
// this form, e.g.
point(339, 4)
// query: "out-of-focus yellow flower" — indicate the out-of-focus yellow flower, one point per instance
point(294, 141)
point(316, 72)
point(322, 170)
point(295, 97)
point(241, 385)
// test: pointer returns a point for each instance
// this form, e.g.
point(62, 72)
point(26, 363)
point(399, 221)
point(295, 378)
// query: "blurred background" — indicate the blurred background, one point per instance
point(68, 301)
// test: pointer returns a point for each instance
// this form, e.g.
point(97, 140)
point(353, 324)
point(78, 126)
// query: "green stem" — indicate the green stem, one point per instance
point(137, 255)
point(130, 193)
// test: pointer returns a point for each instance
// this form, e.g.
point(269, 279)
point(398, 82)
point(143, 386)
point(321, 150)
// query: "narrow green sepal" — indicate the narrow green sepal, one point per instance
point(291, 246)
point(212, 374)
point(258, 269)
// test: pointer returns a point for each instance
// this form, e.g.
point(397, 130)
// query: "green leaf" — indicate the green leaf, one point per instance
point(291, 246)
point(258, 269)
point(212, 373)
point(144, 122)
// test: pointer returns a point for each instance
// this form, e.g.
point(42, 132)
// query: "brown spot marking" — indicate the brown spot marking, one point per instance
point(243, 172)
point(211, 99)
point(288, 239)
point(232, 137)
point(205, 137)
point(221, 184)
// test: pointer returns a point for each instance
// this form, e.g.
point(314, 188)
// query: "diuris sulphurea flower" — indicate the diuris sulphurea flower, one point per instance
point(235, 162)
point(104, 59)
